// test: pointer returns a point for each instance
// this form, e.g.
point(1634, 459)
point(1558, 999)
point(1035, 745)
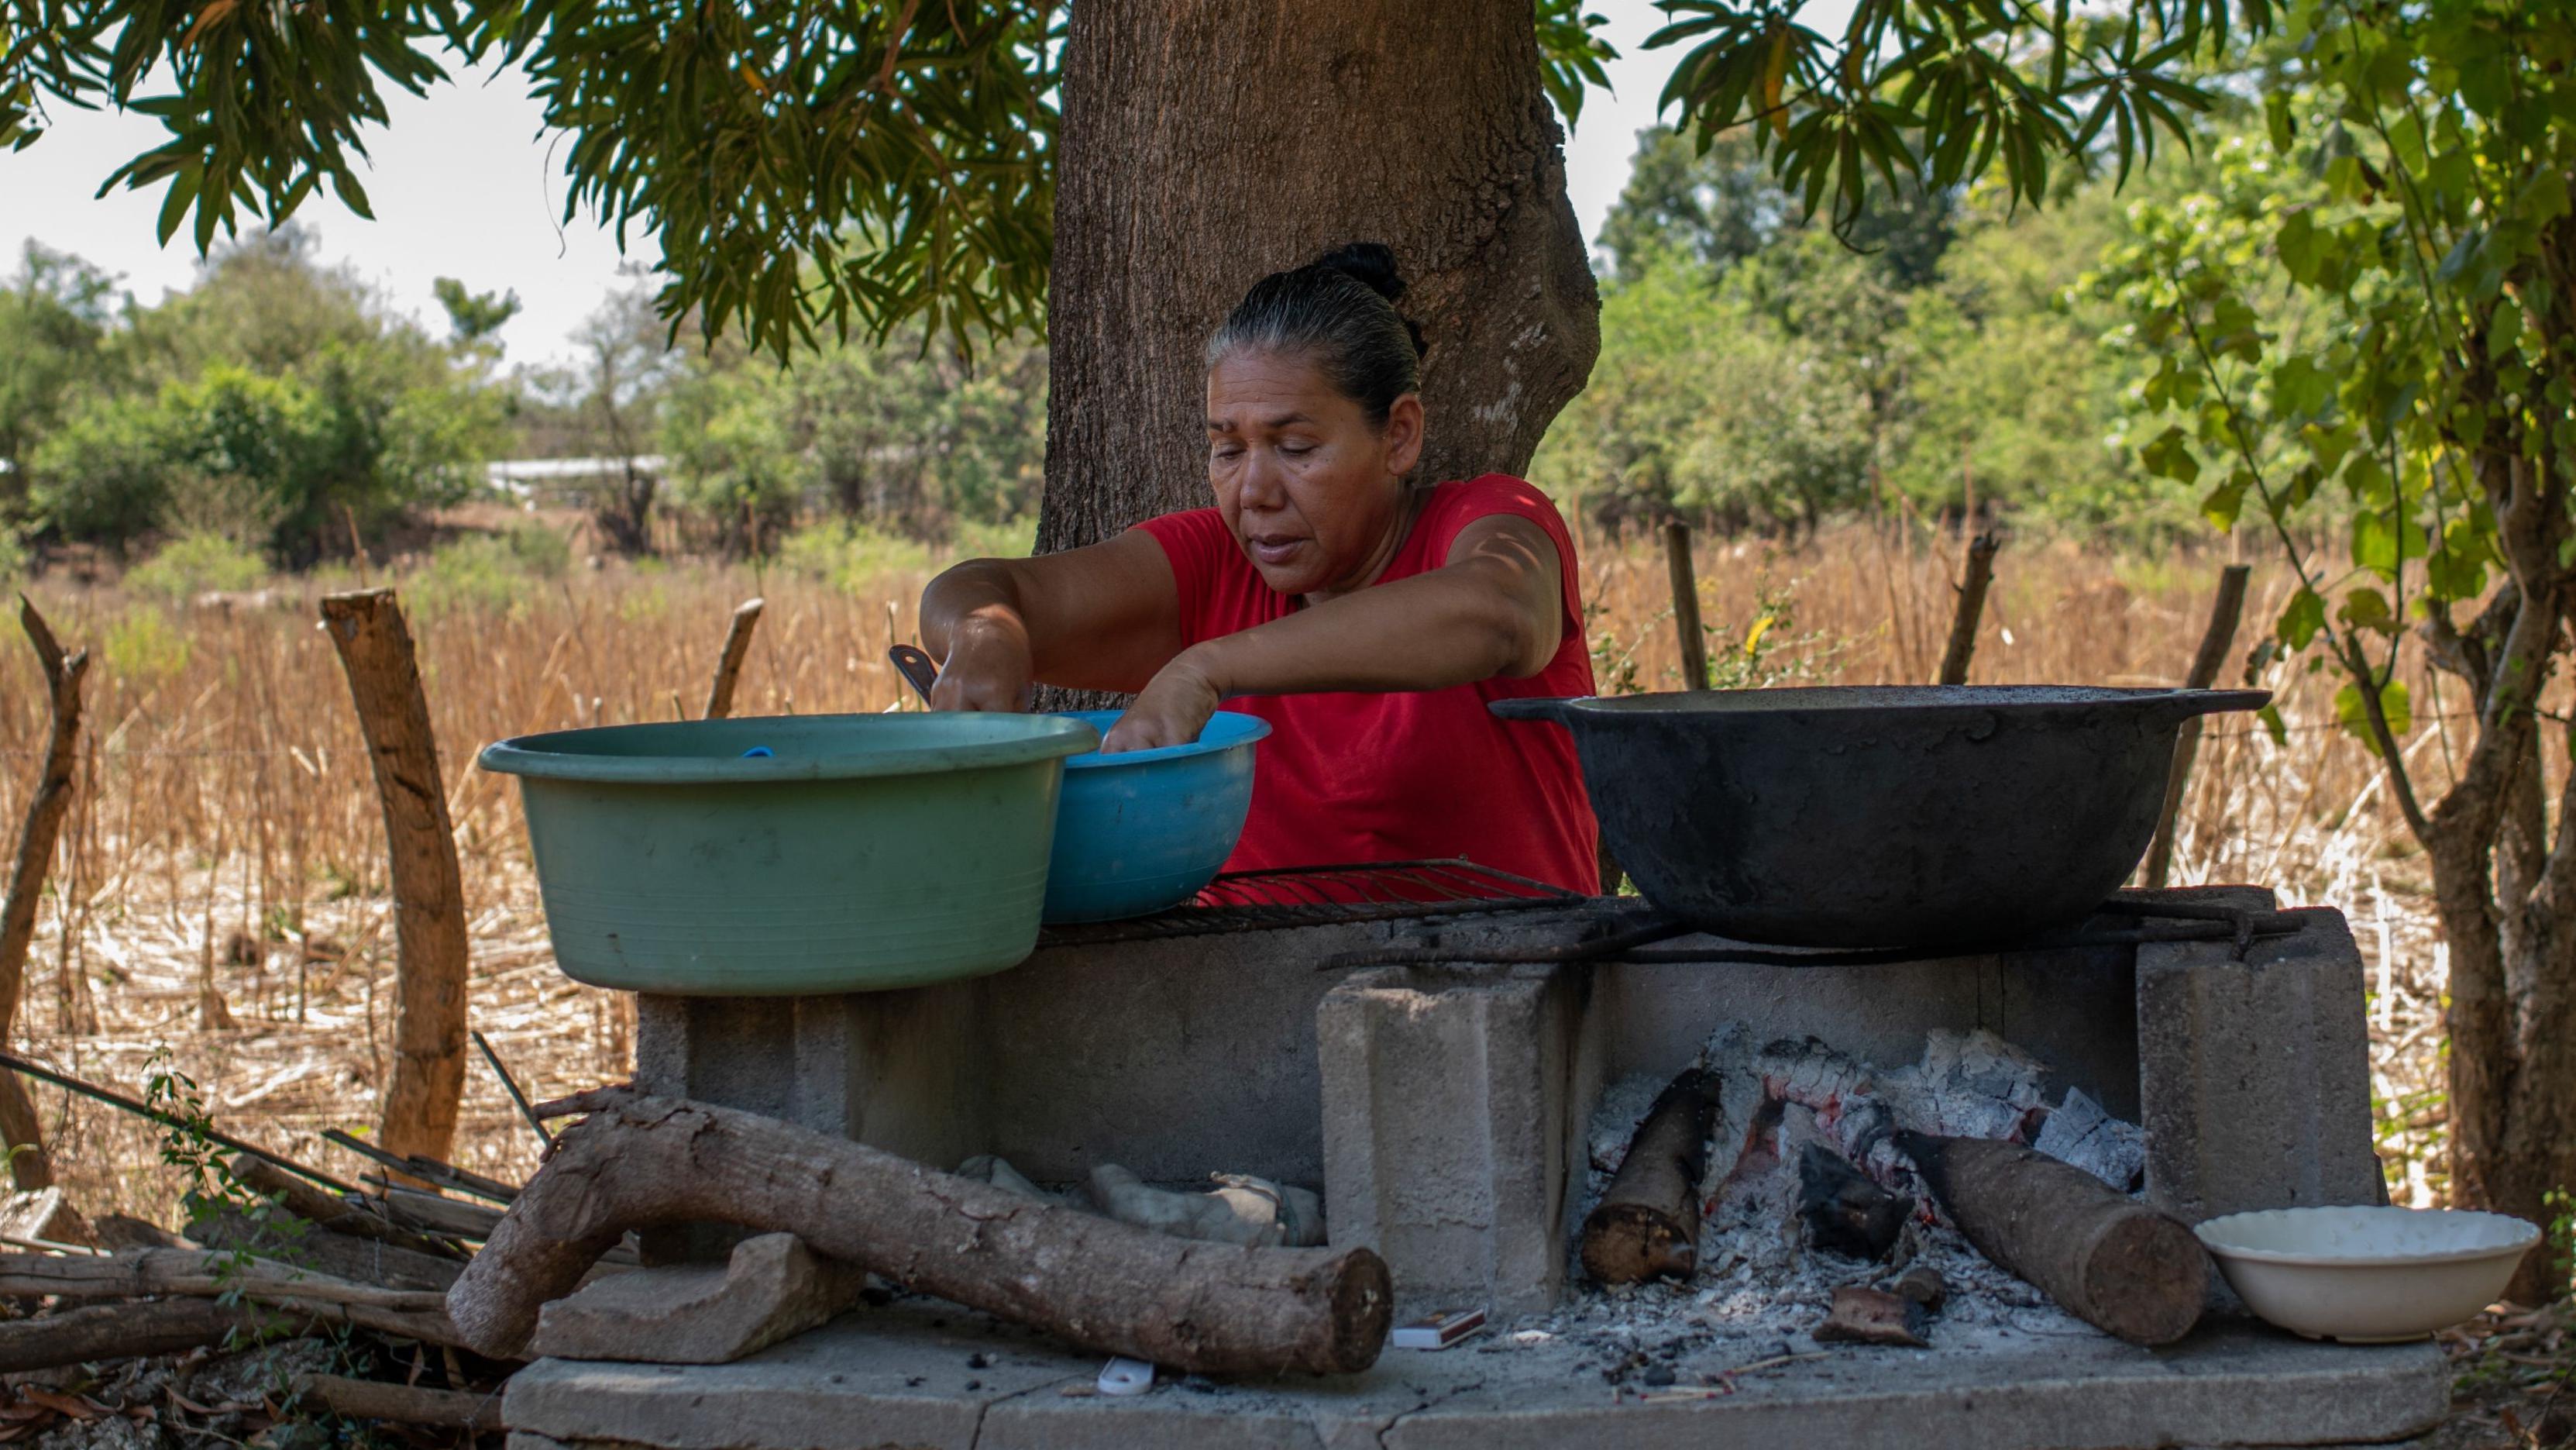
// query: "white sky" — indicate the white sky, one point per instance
point(463, 187)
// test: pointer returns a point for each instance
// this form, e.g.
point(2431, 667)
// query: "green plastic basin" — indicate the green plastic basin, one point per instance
point(859, 852)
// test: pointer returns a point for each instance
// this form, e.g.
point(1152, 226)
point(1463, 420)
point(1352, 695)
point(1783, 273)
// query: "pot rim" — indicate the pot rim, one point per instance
point(1827, 701)
point(1040, 737)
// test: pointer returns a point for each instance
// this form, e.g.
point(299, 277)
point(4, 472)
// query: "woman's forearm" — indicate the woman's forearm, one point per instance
point(1452, 626)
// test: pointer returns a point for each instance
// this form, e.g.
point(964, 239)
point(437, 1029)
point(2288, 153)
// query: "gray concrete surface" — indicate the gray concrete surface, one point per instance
point(920, 1374)
point(2256, 1074)
point(772, 1288)
point(1446, 1142)
point(1439, 1109)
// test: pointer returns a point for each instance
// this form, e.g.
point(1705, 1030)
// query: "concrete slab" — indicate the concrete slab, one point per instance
point(901, 1376)
point(771, 1289)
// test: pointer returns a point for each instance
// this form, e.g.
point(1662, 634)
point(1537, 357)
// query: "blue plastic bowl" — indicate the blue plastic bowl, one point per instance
point(1143, 831)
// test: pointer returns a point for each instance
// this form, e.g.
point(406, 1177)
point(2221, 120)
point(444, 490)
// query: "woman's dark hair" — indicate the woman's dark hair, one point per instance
point(1339, 309)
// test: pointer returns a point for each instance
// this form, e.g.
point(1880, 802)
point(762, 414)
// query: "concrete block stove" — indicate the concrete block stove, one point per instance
point(1428, 1046)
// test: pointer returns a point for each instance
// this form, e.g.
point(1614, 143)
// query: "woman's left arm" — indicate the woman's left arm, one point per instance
point(1496, 607)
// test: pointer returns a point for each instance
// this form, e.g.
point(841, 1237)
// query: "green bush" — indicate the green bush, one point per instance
point(1009, 539)
point(489, 573)
point(851, 557)
point(144, 646)
point(195, 564)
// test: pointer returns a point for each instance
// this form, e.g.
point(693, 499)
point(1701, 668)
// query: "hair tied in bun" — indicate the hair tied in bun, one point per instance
point(1372, 264)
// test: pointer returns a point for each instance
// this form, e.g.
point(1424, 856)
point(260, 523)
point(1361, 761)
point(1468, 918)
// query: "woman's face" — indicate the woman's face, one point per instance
point(1312, 490)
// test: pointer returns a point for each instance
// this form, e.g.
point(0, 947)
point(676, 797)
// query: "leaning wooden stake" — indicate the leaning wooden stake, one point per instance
point(746, 616)
point(641, 1161)
point(1647, 1223)
point(429, 901)
point(19, 1126)
point(2113, 1262)
point(1972, 608)
point(2215, 642)
point(1685, 580)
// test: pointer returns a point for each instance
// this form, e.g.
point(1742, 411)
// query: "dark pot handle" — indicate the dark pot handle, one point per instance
point(1536, 707)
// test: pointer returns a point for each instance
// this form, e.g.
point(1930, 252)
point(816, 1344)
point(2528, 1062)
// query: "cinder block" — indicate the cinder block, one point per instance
point(2254, 1075)
point(1446, 1125)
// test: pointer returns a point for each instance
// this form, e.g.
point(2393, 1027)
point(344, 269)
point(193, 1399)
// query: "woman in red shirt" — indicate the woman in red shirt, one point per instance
point(1367, 618)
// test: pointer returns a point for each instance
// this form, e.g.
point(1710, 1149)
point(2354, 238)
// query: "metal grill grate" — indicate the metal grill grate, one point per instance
point(1330, 896)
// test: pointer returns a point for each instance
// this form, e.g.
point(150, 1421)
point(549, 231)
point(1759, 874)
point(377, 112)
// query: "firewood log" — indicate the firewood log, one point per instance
point(642, 1161)
point(326, 1211)
point(408, 1314)
point(119, 1331)
point(357, 1399)
point(1647, 1223)
point(287, 1239)
point(2114, 1263)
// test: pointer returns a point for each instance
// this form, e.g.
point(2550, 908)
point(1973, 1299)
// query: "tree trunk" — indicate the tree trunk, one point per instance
point(1205, 143)
point(429, 897)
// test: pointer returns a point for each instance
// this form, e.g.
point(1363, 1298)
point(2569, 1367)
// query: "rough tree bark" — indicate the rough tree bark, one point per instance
point(2506, 900)
point(19, 1125)
point(429, 897)
point(1207, 142)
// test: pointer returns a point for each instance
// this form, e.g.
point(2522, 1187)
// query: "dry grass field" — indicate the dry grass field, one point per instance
point(220, 888)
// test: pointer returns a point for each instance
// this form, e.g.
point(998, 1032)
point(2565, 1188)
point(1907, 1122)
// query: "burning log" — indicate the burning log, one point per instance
point(641, 1161)
point(2114, 1263)
point(1844, 1211)
point(1647, 1223)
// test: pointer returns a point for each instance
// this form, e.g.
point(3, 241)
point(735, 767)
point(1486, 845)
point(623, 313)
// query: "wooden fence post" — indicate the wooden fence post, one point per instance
point(729, 665)
point(20, 1128)
point(1677, 560)
point(375, 649)
point(1972, 608)
point(2215, 642)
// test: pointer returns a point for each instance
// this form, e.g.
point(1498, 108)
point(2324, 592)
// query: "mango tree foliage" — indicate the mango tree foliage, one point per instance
point(806, 165)
point(1912, 93)
point(2412, 196)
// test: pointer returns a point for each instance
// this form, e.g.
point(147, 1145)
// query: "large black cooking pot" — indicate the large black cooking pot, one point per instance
point(1879, 816)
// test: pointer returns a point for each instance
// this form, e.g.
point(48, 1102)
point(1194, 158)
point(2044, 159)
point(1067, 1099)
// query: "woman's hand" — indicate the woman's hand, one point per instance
point(1172, 711)
point(988, 668)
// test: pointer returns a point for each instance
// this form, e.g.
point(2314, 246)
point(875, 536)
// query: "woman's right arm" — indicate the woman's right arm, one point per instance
point(1105, 617)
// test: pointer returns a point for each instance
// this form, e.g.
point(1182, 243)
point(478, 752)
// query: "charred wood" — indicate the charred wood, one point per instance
point(1862, 1315)
point(1647, 1223)
point(1846, 1213)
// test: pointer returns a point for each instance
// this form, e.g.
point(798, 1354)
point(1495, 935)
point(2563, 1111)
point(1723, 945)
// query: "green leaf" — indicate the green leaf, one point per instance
point(2227, 501)
point(2299, 386)
point(2302, 620)
point(2367, 608)
point(2270, 715)
point(2301, 246)
point(2169, 455)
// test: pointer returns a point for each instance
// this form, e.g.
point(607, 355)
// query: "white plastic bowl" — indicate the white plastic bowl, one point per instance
point(2367, 1275)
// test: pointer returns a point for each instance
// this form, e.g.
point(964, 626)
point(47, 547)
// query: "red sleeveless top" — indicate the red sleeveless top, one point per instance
point(1348, 777)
